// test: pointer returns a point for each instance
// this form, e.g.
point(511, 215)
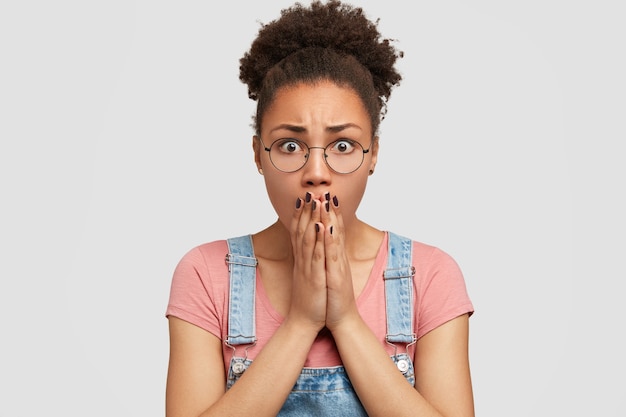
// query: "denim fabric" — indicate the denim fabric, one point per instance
point(242, 268)
point(399, 290)
point(235, 370)
point(322, 391)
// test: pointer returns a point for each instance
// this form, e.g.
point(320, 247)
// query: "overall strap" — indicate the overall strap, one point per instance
point(399, 290)
point(242, 269)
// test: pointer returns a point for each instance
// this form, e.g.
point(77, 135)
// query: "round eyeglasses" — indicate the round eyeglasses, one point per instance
point(343, 156)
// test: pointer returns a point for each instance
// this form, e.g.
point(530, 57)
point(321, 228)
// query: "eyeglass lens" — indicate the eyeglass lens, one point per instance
point(342, 156)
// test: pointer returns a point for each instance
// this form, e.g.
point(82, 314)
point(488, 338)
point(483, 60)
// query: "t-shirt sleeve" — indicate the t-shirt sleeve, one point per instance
point(441, 290)
point(195, 292)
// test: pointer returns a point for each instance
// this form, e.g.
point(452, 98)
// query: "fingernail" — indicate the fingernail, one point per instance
point(317, 227)
point(331, 230)
point(298, 203)
point(314, 205)
point(327, 204)
point(308, 197)
point(327, 196)
point(336, 201)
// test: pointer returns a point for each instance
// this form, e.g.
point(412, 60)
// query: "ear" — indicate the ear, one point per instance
point(374, 152)
point(258, 149)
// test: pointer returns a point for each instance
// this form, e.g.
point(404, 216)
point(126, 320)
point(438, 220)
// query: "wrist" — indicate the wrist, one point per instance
point(301, 329)
point(349, 324)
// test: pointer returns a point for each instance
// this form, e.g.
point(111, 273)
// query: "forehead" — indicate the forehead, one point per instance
point(317, 89)
point(323, 102)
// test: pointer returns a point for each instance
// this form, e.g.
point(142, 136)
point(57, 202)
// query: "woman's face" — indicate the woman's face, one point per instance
point(317, 115)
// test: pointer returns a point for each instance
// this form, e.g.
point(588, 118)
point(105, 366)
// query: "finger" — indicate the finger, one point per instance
point(311, 223)
point(318, 261)
point(316, 210)
point(340, 292)
point(337, 219)
point(331, 248)
point(300, 222)
point(295, 220)
point(336, 261)
point(327, 214)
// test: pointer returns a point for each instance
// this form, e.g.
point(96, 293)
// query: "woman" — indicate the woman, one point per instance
point(320, 313)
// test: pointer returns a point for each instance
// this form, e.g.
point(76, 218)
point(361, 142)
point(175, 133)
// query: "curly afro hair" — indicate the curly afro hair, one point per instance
point(332, 41)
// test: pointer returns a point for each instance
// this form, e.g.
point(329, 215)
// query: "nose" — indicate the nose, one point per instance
point(316, 171)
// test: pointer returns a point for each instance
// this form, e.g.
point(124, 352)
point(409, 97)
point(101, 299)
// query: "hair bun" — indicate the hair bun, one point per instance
point(341, 27)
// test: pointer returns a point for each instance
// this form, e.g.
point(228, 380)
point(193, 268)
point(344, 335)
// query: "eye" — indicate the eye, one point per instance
point(289, 146)
point(342, 146)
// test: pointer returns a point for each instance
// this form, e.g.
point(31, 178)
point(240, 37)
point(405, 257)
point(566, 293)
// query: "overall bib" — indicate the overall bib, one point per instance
point(321, 391)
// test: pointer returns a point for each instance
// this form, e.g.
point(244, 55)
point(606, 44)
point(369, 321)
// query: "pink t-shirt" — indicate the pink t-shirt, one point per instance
point(199, 295)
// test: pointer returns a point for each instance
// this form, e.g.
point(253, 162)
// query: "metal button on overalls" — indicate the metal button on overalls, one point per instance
point(403, 365)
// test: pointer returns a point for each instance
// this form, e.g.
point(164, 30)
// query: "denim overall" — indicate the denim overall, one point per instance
point(320, 391)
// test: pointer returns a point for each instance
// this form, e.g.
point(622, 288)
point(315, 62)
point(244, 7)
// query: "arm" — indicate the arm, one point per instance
point(442, 368)
point(196, 378)
point(443, 384)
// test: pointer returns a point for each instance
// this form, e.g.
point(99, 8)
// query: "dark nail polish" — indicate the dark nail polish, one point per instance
point(336, 201)
point(308, 197)
point(314, 205)
point(327, 204)
point(317, 227)
point(327, 196)
point(298, 203)
point(331, 230)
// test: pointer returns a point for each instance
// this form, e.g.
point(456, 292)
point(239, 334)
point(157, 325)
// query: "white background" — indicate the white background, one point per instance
point(125, 141)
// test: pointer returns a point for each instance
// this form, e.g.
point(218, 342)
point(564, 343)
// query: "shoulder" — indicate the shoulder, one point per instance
point(205, 253)
point(434, 265)
point(203, 262)
point(199, 287)
point(425, 254)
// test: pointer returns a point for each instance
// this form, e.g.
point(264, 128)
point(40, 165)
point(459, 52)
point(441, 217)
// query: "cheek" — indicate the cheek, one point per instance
point(282, 195)
point(351, 195)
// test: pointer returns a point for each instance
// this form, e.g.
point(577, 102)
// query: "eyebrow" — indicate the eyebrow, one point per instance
point(300, 129)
